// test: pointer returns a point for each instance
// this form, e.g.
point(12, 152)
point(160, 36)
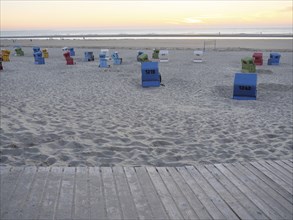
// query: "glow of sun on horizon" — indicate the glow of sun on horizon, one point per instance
point(21, 15)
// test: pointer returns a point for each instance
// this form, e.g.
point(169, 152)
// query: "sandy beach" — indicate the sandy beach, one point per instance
point(82, 115)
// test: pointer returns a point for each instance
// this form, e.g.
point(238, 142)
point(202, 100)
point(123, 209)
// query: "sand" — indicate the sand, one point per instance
point(82, 115)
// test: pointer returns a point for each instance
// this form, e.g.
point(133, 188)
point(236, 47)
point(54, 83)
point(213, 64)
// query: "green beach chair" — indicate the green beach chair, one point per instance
point(19, 51)
point(143, 58)
point(156, 54)
point(248, 65)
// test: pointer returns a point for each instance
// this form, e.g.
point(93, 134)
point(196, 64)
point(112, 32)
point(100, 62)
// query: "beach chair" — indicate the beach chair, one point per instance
point(103, 61)
point(155, 54)
point(116, 59)
point(274, 59)
point(71, 51)
point(18, 51)
point(5, 55)
point(106, 52)
point(1, 59)
point(45, 53)
point(245, 86)
point(139, 52)
point(64, 49)
point(197, 54)
point(89, 56)
point(36, 49)
point(143, 58)
point(248, 65)
point(39, 59)
point(69, 60)
point(150, 74)
point(164, 56)
point(257, 58)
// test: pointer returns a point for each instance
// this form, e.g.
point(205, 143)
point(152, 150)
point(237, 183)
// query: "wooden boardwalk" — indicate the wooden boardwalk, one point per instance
point(256, 190)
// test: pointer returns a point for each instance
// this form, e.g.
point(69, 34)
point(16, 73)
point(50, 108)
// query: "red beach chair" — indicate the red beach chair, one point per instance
point(257, 58)
point(69, 60)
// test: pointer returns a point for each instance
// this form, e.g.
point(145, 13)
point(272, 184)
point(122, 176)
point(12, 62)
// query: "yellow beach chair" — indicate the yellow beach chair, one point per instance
point(5, 55)
point(45, 53)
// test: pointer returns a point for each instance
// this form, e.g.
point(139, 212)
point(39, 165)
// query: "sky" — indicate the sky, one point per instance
point(94, 14)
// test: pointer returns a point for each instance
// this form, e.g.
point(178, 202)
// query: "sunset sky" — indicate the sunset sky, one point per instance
point(27, 15)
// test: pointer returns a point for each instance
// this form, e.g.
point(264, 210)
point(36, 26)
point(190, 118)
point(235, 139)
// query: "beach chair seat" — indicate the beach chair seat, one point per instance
point(248, 65)
point(164, 56)
point(69, 60)
point(245, 86)
point(116, 59)
point(257, 58)
point(18, 51)
point(198, 55)
point(155, 54)
point(71, 51)
point(89, 56)
point(45, 53)
point(103, 61)
point(150, 74)
point(274, 59)
point(39, 59)
point(5, 55)
point(143, 58)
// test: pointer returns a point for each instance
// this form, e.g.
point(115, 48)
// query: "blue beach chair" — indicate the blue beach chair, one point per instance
point(245, 86)
point(36, 49)
point(150, 74)
point(116, 59)
point(71, 51)
point(274, 59)
point(103, 61)
point(39, 59)
point(89, 56)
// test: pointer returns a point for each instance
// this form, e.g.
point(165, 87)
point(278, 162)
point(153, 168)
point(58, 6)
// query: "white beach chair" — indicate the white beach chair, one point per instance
point(198, 55)
point(65, 49)
point(164, 56)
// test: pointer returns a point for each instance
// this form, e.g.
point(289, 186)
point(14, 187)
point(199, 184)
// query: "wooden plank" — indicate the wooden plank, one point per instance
point(50, 194)
point(124, 194)
point(276, 172)
point(200, 194)
point(82, 203)
point(111, 197)
point(282, 170)
point(195, 203)
point(212, 194)
point(179, 199)
point(18, 199)
point(285, 194)
point(10, 177)
point(65, 201)
point(139, 198)
point(272, 176)
point(285, 166)
point(248, 192)
point(152, 196)
point(32, 205)
point(266, 188)
point(96, 195)
point(271, 202)
point(224, 193)
point(164, 195)
point(290, 164)
point(253, 210)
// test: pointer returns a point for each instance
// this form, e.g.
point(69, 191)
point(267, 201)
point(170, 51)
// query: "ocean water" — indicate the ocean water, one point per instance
point(116, 33)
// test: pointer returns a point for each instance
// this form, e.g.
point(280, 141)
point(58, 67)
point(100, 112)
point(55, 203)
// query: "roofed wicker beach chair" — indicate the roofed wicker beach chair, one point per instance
point(1, 59)
point(155, 54)
point(143, 58)
point(103, 61)
point(257, 58)
point(150, 75)
point(45, 53)
point(164, 56)
point(72, 52)
point(68, 58)
point(39, 59)
point(89, 56)
point(274, 59)
point(248, 65)
point(245, 86)
point(116, 59)
point(5, 55)
point(197, 56)
point(18, 51)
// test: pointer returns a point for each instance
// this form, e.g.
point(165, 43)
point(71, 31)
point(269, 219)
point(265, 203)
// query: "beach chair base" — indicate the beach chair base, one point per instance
point(164, 61)
point(244, 98)
point(117, 61)
point(197, 61)
point(151, 83)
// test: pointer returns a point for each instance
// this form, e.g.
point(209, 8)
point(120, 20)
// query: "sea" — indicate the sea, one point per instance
point(236, 33)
